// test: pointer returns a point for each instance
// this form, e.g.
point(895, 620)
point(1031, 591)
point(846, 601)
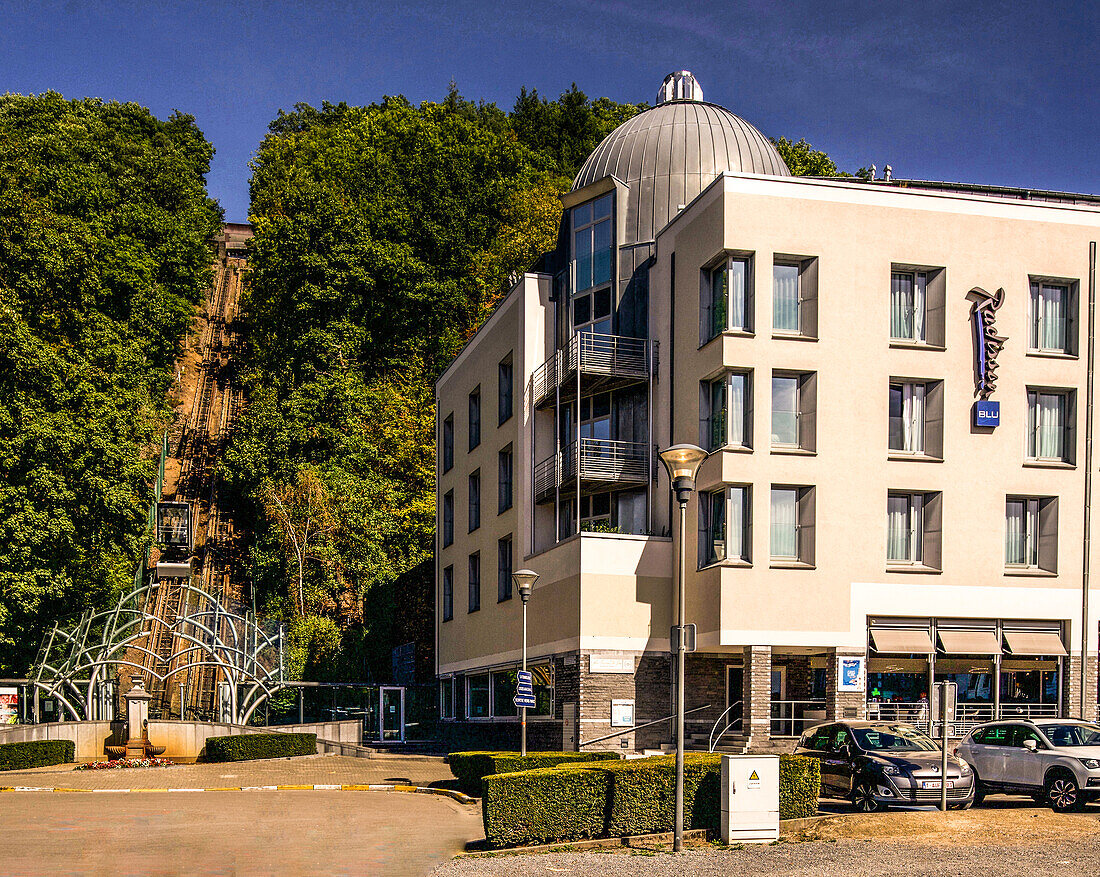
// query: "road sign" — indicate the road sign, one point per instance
point(689, 638)
point(525, 690)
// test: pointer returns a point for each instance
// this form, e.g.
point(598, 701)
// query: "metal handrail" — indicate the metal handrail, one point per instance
point(713, 741)
point(622, 731)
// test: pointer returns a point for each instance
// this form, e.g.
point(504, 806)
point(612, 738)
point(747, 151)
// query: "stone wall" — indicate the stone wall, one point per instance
point(653, 681)
point(757, 693)
point(843, 704)
point(1071, 688)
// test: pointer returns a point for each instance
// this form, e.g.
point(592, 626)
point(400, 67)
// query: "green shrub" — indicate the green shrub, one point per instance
point(799, 786)
point(643, 794)
point(544, 805)
point(36, 753)
point(246, 747)
point(469, 768)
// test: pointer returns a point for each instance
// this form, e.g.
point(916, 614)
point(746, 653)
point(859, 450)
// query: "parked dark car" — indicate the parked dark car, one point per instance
point(876, 764)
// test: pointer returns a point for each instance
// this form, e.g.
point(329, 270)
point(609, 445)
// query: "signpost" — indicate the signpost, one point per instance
point(525, 690)
point(944, 697)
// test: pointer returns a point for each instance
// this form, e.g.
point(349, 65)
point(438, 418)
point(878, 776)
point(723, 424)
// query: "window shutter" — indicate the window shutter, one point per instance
point(933, 530)
point(1070, 447)
point(1073, 300)
point(746, 523)
point(749, 389)
point(808, 284)
point(935, 303)
point(807, 512)
point(704, 415)
point(706, 307)
point(807, 411)
point(933, 419)
point(1048, 534)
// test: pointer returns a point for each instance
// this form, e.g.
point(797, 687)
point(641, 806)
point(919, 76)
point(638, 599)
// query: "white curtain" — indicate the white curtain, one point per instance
point(737, 294)
point(717, 437)
point(901, 305)
point(736, 538)
point(912, 421)
point(737, 410)
point(1046, 423)
point(1022, 532)
point(785, 298)
point(1049, 317)
point(784, 523)
point(897, 528)
point(920, 288)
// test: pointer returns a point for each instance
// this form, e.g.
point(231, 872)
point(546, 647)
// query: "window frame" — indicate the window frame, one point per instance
point(473, 583)
point(706, 409)
point(806, 296)
point(447, 455)
point(488, 696)
point(505, 390)
point(504, 572)
point(1040, 517)
point(473, 509)
point(710, 327)
point(1071, 288)
point(805, 526)
point(805, 412)
point(935, 306)
point(474, 417)
point(731, 519)
point(1034, 425)
point(447, 683)
point(448, 515)
point(505, 479)
point(930, 534)
point(447, 599)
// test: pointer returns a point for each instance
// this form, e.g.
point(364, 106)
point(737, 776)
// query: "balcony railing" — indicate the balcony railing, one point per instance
point(604, 361)
point(603, 463)
point(789, 718)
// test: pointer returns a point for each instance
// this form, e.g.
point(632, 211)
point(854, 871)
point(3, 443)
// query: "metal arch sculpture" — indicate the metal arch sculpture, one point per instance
point(204, 636)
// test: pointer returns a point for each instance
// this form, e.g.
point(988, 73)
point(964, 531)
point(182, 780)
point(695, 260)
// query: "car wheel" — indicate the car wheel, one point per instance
point(863, 799)
point(962, 805)
point(1063, 794)
point(979, 791)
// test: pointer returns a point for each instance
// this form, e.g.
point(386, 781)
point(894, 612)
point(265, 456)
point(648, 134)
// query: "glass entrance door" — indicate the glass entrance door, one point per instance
point(391, 719)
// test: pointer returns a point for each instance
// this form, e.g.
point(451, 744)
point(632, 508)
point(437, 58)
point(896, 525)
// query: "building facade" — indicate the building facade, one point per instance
point(892, 381)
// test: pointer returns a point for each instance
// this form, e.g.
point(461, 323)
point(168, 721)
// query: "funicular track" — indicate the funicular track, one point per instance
point(210, 401)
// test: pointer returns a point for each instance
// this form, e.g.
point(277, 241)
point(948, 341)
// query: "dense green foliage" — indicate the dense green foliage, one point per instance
point(631, 797)
point(470, 768)
point(36, 753)
point(247, 747)
point(105, 231)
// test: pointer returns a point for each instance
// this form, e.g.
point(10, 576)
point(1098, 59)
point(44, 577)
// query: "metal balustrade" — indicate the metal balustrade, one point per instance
point(604, 361)
point(789, 718)
point(603, 463)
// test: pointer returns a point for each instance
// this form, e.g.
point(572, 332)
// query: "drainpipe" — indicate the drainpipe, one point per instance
point(1088, 481)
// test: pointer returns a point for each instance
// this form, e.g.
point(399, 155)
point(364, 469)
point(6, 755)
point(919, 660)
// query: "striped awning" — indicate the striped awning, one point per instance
point(1034, 642)
point(969, 642)
point(899, 641)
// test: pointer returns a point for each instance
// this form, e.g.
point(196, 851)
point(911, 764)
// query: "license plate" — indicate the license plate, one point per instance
point(935, 784)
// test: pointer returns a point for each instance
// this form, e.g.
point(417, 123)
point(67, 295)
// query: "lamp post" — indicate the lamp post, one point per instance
point(524, 580)
point(682, 463)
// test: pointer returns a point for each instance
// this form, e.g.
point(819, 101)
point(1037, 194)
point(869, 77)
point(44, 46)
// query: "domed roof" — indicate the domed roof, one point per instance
point(670, 153)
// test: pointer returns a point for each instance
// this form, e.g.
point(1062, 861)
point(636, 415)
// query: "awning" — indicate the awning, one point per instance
point(969, 642)
point(895, 641)
point(1031, 642)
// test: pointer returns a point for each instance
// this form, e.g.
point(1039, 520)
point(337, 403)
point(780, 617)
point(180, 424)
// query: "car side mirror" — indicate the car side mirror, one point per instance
point(1031, 745)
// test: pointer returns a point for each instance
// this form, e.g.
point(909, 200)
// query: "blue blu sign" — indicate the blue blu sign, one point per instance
point(987, 413)
point(525, 690)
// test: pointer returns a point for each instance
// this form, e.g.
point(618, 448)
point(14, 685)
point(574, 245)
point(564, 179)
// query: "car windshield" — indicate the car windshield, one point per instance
point(893, 738)
point(1073, 735)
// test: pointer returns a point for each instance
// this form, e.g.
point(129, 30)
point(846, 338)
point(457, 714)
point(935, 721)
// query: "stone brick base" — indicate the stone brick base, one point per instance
point(1071, 688)
point(843, 704)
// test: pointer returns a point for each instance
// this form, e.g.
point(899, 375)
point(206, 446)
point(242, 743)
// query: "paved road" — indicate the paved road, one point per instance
point(231, 833)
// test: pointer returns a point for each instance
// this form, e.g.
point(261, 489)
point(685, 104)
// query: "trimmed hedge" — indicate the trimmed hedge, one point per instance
point(470, 768)
point(36, 753)
point(247, 747)
point(544, 805)
point(638, 797)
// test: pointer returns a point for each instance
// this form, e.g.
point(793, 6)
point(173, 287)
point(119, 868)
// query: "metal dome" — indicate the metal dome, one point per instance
point(670, 153)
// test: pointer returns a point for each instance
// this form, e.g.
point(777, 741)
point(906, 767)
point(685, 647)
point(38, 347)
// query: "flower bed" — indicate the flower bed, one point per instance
point(123, 763)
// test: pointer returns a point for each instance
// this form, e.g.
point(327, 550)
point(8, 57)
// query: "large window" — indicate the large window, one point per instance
point(504, 480)
point(475, 500)
point(1051, 321)
point(913, 529)
point(474, 580)
point(447, 698)
point(475, 418)
point(504, 569)
point(448, 443)
point(477, 696)
point(448, 593)
point(504, 389)
point(794, 296)
point(792, 524)
point(592, 312)
point(907, 417)
point(448, 518)
point(908, 297)
point(504, 690)
point(1050, 425)
point(794, 410)
point(592, 243)
point(724, 525)
point(725, 406)
point(726, 300)
point(1031, 533)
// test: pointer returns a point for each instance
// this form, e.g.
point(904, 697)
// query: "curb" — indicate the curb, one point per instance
point(634, 841)
point(323, 787)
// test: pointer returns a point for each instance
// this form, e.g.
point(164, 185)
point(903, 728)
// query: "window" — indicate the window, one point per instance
point(917, 305)
point(504, 569)
point(1053, 308)
point(542, 678)
point(504, 689)
point(448, 593)
point(592, 312)
point(596, 512)
point(1031, 533)
point(448, 518)
point(719, 540)
point(913, 528)
point(477, 696)
point(504, 389)
point(475, 500)
point(592, 243)
point(726, 300)
point(447, 698)
point(725, 406)
point(1050, 425)
point(794, 296)
point(448, 443)
point(916, 418)
point(475, 582)
point(504, 480)
point(794, 414)
point(475, 418)
point(792, 524)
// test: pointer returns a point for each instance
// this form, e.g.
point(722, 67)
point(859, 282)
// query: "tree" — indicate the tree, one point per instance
point(804, 161)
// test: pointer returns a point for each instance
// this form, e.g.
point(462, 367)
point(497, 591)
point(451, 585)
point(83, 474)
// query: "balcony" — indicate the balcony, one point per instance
point(604, 362)
point(604, 465)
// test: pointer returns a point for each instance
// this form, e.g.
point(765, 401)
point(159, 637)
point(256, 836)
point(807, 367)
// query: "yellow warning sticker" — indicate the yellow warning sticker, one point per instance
point(754, 776)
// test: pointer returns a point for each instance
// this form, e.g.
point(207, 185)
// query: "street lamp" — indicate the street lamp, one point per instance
point(682, 463)
point(524, 580)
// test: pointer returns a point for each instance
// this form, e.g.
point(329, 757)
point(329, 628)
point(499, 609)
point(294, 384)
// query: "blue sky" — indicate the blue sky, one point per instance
point(999, 93)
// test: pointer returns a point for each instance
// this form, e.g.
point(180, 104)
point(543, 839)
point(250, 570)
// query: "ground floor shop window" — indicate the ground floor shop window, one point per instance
point(504, 690)
point(447, 698)
point(477, 696)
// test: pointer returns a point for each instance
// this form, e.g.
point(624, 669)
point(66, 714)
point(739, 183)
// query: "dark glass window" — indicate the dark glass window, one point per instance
point(448, 593)
point(504, 569)
point(504, 480)
point(504, 389)
point(475, 418)
point(475, 582)
point(475, 500)
point(448, 443)
point(448, 518)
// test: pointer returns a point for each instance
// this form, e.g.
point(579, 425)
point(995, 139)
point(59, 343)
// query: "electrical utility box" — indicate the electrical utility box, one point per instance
point(750, 798)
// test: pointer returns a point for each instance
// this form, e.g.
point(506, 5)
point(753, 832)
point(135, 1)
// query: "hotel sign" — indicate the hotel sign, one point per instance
point(988, 343)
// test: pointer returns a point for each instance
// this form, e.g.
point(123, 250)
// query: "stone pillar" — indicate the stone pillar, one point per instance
point(1071, 687)
point(757, 699)
point(843, 704)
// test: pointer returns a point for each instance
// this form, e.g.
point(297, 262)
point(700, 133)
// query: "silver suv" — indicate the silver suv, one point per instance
point(1056, 761)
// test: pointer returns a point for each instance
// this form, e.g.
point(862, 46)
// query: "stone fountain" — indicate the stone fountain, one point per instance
point(137, 726)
